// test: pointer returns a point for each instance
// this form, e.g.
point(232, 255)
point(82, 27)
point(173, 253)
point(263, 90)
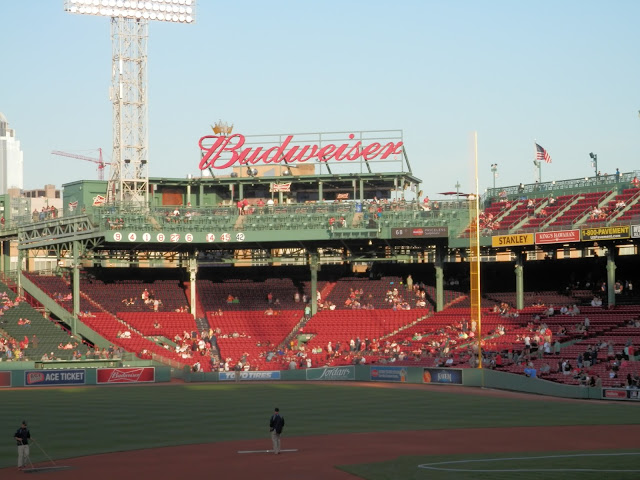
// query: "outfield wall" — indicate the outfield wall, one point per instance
point(416, 375)
point(27, 374)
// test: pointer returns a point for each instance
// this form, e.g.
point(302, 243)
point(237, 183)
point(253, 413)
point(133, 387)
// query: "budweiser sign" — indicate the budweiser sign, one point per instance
point(281, 187)
point(126, 375)
point(229, 151)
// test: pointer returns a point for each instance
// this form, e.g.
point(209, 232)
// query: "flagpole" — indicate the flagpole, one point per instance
point(536, 161)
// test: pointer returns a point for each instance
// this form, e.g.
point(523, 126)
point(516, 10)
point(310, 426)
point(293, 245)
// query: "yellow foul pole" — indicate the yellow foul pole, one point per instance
point(474, 254)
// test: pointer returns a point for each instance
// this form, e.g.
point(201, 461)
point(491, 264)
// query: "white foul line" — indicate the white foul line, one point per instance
point(267, 451)
point(431, 466)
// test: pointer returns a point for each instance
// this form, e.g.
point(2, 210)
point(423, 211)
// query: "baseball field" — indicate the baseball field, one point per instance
point(342, 431)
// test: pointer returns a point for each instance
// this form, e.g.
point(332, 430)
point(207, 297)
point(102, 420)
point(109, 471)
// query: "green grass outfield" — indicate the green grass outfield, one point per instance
point(69, 422)
point(565, 465)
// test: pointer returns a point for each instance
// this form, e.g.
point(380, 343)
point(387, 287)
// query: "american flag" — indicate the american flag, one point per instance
point(541, 154)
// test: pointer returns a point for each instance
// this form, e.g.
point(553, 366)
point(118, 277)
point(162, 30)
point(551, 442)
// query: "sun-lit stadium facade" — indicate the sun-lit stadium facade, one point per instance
point(294, 209)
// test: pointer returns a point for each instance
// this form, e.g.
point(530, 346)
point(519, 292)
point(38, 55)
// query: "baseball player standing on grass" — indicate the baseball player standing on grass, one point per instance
point(276, 424)
point(22, 437)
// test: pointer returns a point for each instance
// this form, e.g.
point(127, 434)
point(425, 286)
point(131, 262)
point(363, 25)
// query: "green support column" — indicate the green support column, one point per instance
point(19, 272)
point(193, 269)
point(6, 256)
point(320, 191)
point(519, 270)
point(75, 279)
point(314, 261)
point(361, 190)
point(439, 265)
point(200, 195)
point(611, 276)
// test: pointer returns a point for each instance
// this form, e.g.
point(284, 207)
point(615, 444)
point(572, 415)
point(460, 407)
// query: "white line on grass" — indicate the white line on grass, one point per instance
point(433, 466)
point(267, 451)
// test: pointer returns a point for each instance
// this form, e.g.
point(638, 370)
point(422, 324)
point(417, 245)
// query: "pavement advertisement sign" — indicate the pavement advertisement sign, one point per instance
point(605, 233)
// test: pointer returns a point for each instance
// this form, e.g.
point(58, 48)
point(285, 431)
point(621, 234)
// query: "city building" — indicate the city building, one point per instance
point(11, 161)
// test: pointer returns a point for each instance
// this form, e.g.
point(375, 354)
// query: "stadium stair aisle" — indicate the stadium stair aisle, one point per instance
point(200, 312)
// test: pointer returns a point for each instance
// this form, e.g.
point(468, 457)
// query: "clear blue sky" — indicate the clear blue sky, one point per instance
point(563, 72)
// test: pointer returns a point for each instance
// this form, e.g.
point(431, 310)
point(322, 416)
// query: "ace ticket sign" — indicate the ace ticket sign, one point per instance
point(54, 377)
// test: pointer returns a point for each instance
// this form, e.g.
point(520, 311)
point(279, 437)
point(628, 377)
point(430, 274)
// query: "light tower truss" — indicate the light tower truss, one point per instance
point(129, 181)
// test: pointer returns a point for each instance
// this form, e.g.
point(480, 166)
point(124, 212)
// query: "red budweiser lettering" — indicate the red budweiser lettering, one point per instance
point(126, 375)
point(233, 144)
point(120, 376)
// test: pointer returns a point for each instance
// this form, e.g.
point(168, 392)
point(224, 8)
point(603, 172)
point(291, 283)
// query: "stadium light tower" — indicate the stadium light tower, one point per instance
point(129, 181)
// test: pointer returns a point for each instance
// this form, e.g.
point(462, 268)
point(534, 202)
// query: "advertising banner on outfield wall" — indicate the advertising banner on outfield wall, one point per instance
point(511, 240)
point(247, 376)
point(442, 375)
point(635, 231)
point(605, 233)
point(126, 375)
point(416, 232)
point(388, 374)
point(5, 379)
point(620, 394)
point(53, 377)
point(560, 236)
point(331, 373)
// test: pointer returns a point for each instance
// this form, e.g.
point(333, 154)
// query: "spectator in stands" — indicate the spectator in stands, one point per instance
point(635, 183)
point(530, 371)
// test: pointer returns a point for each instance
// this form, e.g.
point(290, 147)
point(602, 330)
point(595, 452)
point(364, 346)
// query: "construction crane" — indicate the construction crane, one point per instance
point(99, 161)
